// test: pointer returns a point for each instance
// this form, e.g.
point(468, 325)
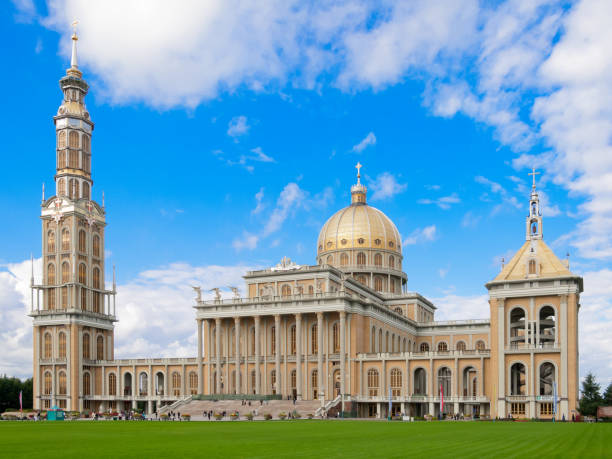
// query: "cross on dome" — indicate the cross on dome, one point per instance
point(358, 167)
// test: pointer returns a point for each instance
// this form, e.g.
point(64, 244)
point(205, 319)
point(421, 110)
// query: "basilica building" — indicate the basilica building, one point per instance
point(345, 333)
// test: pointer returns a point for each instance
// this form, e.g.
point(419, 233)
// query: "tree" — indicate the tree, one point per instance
point(591, 397)
point(9, 393)
point(607, 396)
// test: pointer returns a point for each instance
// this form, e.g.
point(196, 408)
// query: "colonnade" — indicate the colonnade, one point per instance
point(215, 359)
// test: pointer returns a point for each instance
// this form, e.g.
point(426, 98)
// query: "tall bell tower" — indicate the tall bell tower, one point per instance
point(73, 312)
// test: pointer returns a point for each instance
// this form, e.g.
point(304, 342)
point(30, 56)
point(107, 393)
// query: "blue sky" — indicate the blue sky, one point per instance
point(225, 138)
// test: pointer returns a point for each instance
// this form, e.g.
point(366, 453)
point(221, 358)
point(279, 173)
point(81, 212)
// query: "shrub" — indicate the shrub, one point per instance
point(310, 415)
point(164, 417)
point(249, 416)
point(186, 417)
point(267, 416)
point(296, 415)
point(235, 415)
point(218, 416)
point(282, 416)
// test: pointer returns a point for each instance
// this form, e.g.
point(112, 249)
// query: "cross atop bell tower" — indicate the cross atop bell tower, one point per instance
point(358, 191)
point(534, 219)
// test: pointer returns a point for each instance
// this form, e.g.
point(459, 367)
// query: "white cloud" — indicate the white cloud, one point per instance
point(261, 156)
point(443, 202)
point(289, 199)
point(457, 307)
point(419, 235)
point(470, 220)
point(247, 241)
point(385, 186)
point(238, 126)
point(259, 200)
point(368, 140)
point(26, 10)
point(506, 198)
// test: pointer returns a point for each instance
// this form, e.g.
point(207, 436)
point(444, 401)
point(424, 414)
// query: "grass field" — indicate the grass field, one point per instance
point(303, 439)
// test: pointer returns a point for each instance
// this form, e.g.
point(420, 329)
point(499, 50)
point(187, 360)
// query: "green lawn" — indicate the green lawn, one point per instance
point(303, 439)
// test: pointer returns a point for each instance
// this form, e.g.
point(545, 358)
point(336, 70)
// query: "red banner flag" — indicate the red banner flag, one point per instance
point(21, 400)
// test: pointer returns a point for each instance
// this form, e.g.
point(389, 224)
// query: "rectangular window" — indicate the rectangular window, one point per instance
point(546, 409)
point(517, 409)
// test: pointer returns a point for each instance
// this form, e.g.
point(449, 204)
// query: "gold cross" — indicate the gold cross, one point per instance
point(358, 167)
point(534, 173)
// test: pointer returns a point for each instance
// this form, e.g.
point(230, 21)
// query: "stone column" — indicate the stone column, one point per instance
point(322, 377)
point(277, 352)
point(257, 356)
point(238, 379)
point(218, 351)
point(342, 354)
point(200, 387)
point(298, 354)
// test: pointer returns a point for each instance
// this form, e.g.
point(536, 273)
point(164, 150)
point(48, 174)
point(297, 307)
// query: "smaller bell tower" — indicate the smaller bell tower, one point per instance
point(533, 227)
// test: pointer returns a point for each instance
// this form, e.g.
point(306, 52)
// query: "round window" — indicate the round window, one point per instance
point(361, 240)
point(343, 241)
point(391, 244)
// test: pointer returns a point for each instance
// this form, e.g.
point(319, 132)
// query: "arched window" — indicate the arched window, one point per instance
point(424, 347)
point(444, 381)
point(82, 241)
point(85, 190)
point(292, 340)
point(51, 274)
point(344, 259)
point(314, 338)
point(73, 139)
point(176, 383)
point(547, 325)
point(480, 345)
point(47, 386)
point(273, 381)
point(73, 160)
point(461, 346)
point(112, 384)
point(293, 379)
point(62, 345)
point(330, 260)
point(273, 340)
point(378, 284)
point(373, 382)
point(310, 290)
point(96, 285)
point(100, 348)
point(396, 382)
point(61, 139)
point(127, 384)
point(442, 346)
point(518, 380)
point(61, 187)
point(143, 384)
point(378, 259)
point(65, 239)
point(391, 261)
point(547, 378)
point(517, 327)
point(285, 290)
point(51, 241)
point(387, 349)
point(399, 310)
point(420, 382)
point(373, 340)
point(62, 389)
point(336, 338)
point(86, 346)
point(392, 349)
point(82, 274)
point(314, 382)
point(532, 267)
point(65, 272)
point(252, 341)
point(380, 341)
point(361, 259)
point(85, 140)
point(193, 383)
point(232, 342)
point(86, 384)
point(96, 245)
point(48, 346)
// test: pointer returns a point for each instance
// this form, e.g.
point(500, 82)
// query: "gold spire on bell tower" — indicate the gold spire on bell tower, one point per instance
point(74, 62)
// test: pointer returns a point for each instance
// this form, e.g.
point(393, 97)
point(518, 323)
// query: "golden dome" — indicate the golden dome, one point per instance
point(359, 226)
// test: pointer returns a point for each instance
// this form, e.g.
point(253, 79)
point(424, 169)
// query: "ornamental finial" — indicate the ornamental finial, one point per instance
point(74, 61)
point(358, 167)
point(533, 173)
